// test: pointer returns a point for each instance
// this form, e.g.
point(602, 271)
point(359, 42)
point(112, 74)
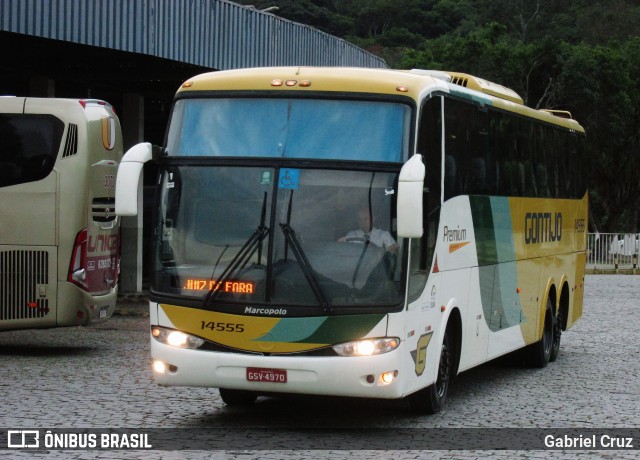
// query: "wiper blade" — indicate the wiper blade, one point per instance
point(300, 256)
point(243, 256)
point(239, 261)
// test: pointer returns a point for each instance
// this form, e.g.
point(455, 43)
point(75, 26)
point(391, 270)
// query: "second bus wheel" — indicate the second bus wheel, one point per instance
point(237, 397)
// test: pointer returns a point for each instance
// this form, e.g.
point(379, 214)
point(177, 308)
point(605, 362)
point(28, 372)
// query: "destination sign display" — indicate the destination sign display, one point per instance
point(232, 286)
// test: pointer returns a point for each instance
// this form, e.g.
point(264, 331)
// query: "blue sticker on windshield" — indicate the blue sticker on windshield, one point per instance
point(289, 178)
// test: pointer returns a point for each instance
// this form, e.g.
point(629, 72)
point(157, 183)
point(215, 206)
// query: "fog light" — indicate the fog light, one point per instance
point(388, 377)
point(159, 367)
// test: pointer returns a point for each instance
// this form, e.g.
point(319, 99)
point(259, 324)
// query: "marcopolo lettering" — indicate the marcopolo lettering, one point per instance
point(265, 311)
point(542, 227)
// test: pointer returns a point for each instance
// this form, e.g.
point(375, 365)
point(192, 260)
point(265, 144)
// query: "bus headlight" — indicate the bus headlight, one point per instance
point(367, 347)
point(176, 338)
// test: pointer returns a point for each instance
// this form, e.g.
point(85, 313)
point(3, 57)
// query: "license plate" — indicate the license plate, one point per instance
point(103, 312)
point(260, 374)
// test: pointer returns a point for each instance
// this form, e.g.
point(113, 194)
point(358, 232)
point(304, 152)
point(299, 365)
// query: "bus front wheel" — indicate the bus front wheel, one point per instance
point(237, 397)
point(431, 400)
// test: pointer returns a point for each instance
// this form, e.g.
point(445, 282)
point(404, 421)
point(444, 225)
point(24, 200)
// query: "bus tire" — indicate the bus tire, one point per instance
point(557, 335)
point(431, 400)
point(237, 397)
point(540, 352)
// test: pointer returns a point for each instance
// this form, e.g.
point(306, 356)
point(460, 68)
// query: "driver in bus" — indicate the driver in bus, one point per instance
point(367, 232)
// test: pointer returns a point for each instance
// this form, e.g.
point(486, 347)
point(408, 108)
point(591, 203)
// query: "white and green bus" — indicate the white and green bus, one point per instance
point(59, 235)
point(358, 232)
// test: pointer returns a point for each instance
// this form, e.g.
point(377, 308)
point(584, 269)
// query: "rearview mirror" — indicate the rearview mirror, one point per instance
point(410, 192)
point(128, 178)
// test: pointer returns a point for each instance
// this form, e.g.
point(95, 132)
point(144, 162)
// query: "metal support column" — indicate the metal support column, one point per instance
point(131, 244)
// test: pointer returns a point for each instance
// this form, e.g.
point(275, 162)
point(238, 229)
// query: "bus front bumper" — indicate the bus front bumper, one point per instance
point(369, 377)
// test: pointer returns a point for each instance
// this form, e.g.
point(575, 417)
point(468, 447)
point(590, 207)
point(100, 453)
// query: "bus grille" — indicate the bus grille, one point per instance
point(103, 209)
point(21, 272)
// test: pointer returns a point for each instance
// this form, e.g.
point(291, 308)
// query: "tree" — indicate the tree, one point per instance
point(582, 56)
point(599, 85)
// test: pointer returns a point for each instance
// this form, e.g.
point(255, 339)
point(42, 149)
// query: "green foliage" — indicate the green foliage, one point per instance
point(582, 56)
point(601, 87)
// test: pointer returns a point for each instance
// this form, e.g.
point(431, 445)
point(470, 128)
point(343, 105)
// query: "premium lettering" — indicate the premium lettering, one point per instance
point(453, 235)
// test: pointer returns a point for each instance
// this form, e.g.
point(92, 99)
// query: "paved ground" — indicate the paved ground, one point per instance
point(99, 377)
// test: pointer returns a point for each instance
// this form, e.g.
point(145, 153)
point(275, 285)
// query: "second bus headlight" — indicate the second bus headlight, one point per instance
point(176, 338)
point(367, 347)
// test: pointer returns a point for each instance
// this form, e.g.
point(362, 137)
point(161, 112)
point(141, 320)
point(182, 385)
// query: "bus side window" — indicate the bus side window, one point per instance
point(31, 144)
point(477, 176)
point(450, 176)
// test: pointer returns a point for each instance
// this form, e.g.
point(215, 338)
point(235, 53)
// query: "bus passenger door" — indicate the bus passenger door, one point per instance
point(475, 341)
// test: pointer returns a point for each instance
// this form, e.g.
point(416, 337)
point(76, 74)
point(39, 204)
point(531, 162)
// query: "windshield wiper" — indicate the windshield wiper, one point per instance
point(239, 261)
point(242, 257)
point(305, 265)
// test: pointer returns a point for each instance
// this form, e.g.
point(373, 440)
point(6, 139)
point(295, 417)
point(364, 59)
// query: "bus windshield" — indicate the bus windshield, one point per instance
point(290, 128)
point(280, 236)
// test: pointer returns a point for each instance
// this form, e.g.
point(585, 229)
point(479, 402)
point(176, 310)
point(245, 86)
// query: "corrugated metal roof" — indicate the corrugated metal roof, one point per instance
point(218, 34)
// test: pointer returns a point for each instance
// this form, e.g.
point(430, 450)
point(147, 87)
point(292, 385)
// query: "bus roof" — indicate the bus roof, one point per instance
point(413, 83)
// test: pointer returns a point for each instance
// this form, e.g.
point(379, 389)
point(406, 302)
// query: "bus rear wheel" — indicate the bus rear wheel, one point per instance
point(237, 397)
point(431, 400)
point(540, 352)
point(557, 335)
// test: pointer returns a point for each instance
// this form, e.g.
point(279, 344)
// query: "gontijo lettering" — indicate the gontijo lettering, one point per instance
point(542, 227)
